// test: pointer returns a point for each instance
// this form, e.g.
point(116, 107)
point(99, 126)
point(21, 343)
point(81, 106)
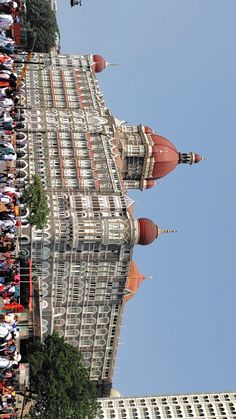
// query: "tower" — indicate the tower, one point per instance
point(147, 157)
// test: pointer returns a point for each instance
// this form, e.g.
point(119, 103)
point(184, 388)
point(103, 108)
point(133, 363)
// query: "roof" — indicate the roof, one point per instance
point(133, 281)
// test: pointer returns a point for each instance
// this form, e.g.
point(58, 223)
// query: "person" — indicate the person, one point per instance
point(5, 199)
point(7, 103)
point(6, 21)
point(11, 291)
point(5, 38)
point(11, 189)
point(6, 92)
point(7, 47)
point(9, 349)
point(6, 7)
point(3, 266)
point(12, 307)
point(6, 178)
point(7, 255)
point(5, 333)
point(11, 415)
point(7, 375)
point(8, 157)
point(4, 76)
point(7, 245)
point(9, 233)
point(6, 147)
point(11, 318)
point(6, 59)
point(7, 223)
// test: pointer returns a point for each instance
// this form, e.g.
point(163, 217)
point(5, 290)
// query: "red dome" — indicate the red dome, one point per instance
point(197, 158)
point(100, 63)
point(134, 280)
point(147, 130)
point(147, 231)
point(165, 155)
point(150, 183)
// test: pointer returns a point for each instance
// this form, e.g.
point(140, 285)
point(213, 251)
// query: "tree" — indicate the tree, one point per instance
point(60, 382)
point(34, 198)
point(41, 25)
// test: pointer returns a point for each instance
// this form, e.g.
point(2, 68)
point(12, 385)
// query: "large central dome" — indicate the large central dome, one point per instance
point(166, 156)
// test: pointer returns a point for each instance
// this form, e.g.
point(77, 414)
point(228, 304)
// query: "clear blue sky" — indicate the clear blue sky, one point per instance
point(177, 74)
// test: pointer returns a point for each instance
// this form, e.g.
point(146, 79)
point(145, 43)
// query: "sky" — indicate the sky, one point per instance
point(176, 74)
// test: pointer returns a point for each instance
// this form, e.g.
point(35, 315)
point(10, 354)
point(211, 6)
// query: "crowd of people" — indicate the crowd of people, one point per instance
point(9, 206)
point(9, 360)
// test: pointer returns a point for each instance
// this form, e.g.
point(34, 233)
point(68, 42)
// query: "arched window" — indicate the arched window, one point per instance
point(72, 333)
point(59, 311)
point(24, 239)
point(59, 322)
point(44, 304)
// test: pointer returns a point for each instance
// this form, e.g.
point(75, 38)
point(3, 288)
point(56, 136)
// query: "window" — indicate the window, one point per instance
point(70, 172)
point(59, 322)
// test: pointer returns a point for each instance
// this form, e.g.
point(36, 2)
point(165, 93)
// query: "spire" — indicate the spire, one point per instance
point(190, 158)
point(160, 231)
point(111, 64)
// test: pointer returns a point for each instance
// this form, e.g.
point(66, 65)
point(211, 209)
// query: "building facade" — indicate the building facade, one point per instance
point(86, 159)
point(186, 406)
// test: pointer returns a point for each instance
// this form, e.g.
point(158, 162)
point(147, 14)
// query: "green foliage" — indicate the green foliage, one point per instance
point(34, 198)
point(60, 382)
point(41, 22)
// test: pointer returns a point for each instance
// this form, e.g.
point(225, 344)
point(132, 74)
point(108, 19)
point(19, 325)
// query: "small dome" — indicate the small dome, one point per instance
point(147, 231)
point(150, 183)
point(115, 393)
point(197, 158)
point(134, 280)
point(147, 130)
point(99, 63)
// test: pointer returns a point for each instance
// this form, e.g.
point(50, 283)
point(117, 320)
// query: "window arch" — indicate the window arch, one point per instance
point(72, 333)
point(59, 322)
point(24, 223)
point(45, 273)
point(46, 253)
point(44, 330)
point(44, 304)
point(59, 311)
point(24, 239)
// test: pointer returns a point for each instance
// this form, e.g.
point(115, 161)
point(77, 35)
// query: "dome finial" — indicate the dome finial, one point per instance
point(111, 64)
point(160, 231)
